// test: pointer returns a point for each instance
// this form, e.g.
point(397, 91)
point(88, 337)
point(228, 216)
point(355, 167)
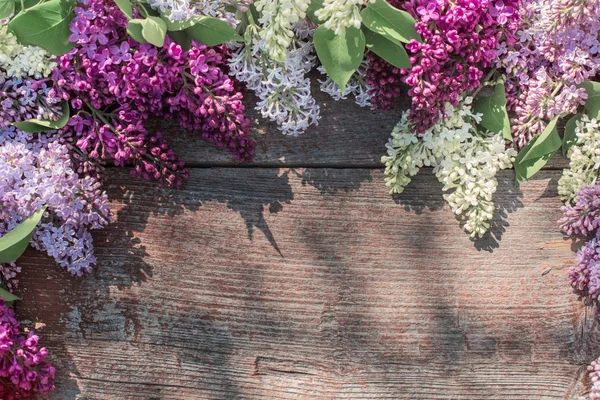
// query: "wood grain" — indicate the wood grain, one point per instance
point(347, 136)
point(270, 283)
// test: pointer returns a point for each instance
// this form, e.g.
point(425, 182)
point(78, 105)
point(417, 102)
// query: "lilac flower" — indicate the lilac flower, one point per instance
point(119, 83)
point(429, 13)
point(461, 39)
point(37, 170)
point(501, 12)
point(24, 371)
point(583, 217)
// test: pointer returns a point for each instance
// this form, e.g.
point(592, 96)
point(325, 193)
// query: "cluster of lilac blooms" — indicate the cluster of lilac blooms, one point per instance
point(558, 48)
point(24, 369)
point(460, 42)
point(114, 84)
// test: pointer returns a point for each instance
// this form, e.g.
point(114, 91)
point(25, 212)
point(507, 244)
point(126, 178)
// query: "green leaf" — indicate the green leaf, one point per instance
point(154, 30)
point(547, 142)
point(35, 125)
point(7, 8)
point(134, 29)
point(493, 109)
point(212, 31)
point(592, 103)
point(45, 25)
point(388, 21)
point(8, 297)
point(182, 39)
point(537, 152)
point(525, 169)
point(341, 54)
point(390, 51)
point(14, 243)
point(26, 3)
point(125, 7)
point(175, 26)
point(312, 7)
point(569, 138)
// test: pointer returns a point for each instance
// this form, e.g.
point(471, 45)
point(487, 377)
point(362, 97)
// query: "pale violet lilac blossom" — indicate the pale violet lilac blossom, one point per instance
point(184, 10)
point(356, 86)
point(37, 171)
point(283, 88)
point(558, 48)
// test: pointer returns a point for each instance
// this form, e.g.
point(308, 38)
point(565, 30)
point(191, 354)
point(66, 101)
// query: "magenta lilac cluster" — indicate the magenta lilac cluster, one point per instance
point(24, 370)
point(460, 43)
point(115, 84)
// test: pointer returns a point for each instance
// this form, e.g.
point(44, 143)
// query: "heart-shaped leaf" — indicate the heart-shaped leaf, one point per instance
point(125, 7)
point(45, 25)
point(8, 297)
point(547, 142)
point(340, 55)
point(7, 8)
point(154, 31)
point(212, 31)
point(384, 19)
point(391, 52)
point(592, 104)
point(134, 29)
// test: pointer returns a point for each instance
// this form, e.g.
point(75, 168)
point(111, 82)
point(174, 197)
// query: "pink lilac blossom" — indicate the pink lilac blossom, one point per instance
point(558, 48)
point(37, 171)
point(583, 216)
point(24, 369)
point(460, 42)
point(115, 84)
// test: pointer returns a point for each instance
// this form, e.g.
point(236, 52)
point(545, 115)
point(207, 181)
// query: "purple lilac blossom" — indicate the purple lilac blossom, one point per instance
point(115, 84)
point(26, 98)
point(37, 171)
point(558, 48)
point(583, 216)
point(460, 42)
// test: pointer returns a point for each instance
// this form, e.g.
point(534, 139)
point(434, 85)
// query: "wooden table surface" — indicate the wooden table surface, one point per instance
point(299, 277)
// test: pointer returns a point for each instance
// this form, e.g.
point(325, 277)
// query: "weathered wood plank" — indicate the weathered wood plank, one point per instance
point(347, 136)
point(314, 283)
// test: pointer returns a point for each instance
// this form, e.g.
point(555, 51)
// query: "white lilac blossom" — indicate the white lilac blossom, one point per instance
point(20, 61)
point(464, 159)
point(356, 86)
point(341, 14)
point(282, 87)
point(584, 159)
point(277, 18)
point(37, 171)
